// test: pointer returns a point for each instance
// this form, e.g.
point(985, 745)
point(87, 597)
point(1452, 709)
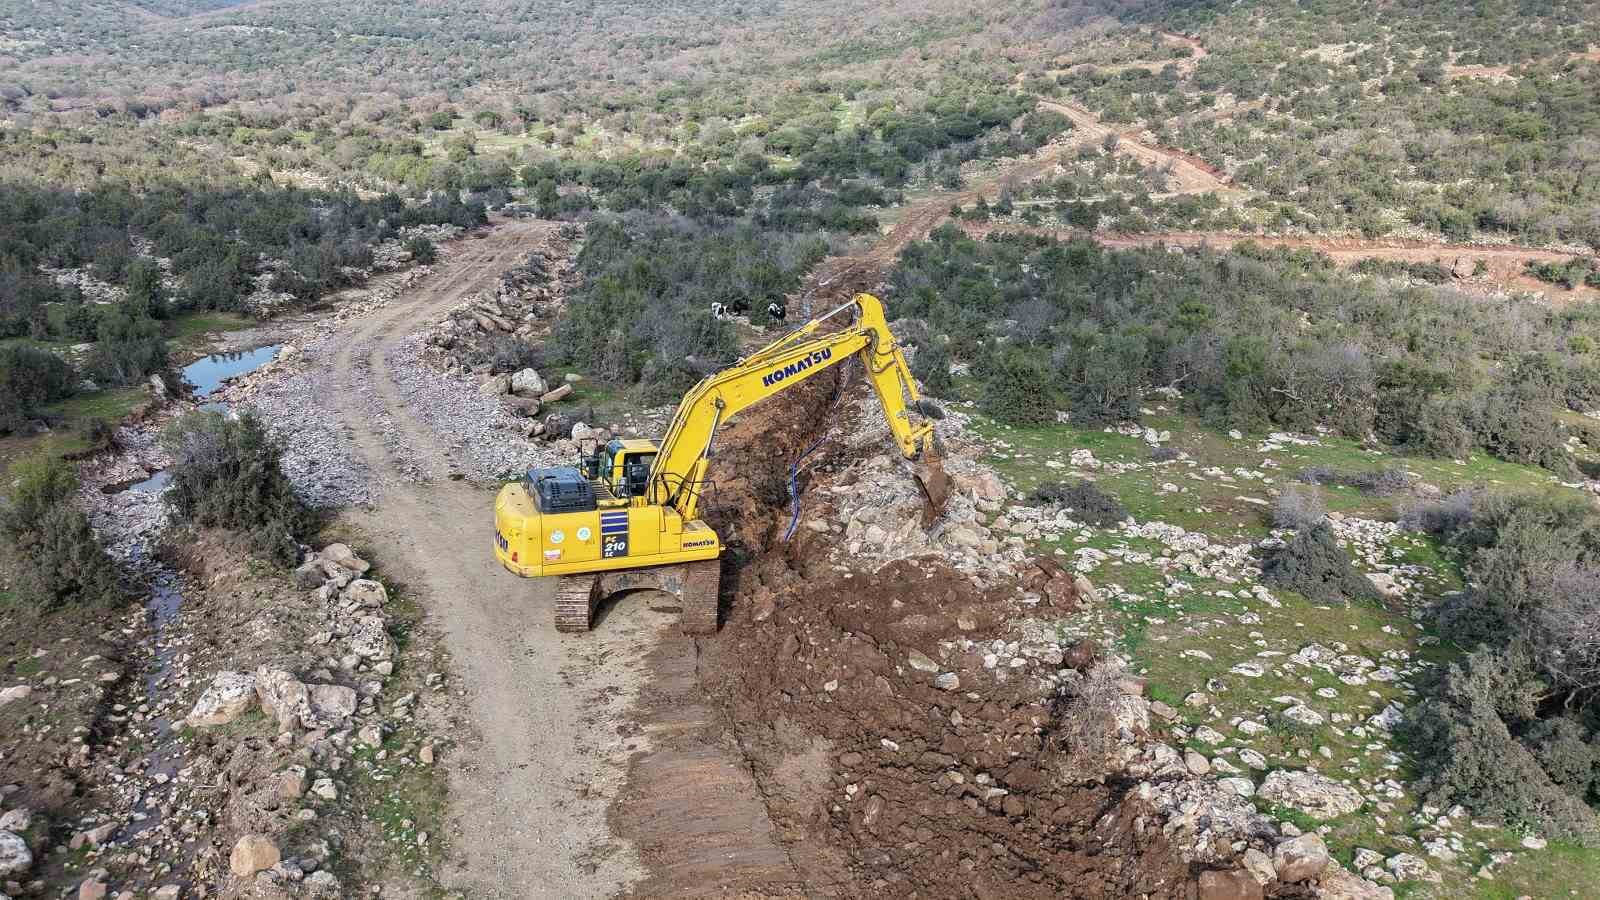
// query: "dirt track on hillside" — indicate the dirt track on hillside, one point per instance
point(1505, 263)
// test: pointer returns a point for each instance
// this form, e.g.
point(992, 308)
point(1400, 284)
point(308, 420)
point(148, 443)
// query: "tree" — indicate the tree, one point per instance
point(30, 378)
point(57, 557)
point(146, 296)
point(127, 348)
point(1017, 390)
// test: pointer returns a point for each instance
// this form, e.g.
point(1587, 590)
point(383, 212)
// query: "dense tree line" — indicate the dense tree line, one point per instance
point(1252, 336)
point(217, 241)
point(644, 310)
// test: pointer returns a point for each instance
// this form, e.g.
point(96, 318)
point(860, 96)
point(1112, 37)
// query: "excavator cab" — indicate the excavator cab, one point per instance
point(623, 466)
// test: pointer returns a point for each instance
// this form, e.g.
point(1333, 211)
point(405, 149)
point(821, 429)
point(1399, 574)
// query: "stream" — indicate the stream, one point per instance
point(166, 756)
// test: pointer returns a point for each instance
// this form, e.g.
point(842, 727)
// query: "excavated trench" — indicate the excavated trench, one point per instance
point(806, 758)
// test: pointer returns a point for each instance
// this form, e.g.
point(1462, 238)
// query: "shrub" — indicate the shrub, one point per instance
point(30, 378)
point(422, 250)
point(1016, 391)
point(1314, 564)
point(1442, 517)
point(1462, 736)
point(127, 349)
point(1379, 482)
point(1085, 500)
point(58, 558)
point(931, 366)
point(1516, 425)
point(507, 353)
point(226, 474)
point(1298, 507)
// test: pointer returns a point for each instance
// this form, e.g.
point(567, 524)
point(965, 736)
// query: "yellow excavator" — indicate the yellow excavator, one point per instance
point(627, 518)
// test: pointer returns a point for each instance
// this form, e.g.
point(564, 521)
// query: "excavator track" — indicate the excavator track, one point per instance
point(695, 584)
point(576, 598)
point(701, 581)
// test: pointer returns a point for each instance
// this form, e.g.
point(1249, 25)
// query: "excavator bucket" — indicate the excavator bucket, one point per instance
point(929, 472)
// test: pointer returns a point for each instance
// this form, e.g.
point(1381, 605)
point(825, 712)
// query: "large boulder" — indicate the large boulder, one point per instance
point(1300, 858)
point(15, 858)
point(308, 576)
point(229, 697)
point(344, 556)
point(1236, 884)
point(1315, 795)
point(332, 703)
point(366, 592)
point(14, 693)
point(253, 853)
point(527, 383)
point(1339, 884)
point(370, 639)
point(283, 697)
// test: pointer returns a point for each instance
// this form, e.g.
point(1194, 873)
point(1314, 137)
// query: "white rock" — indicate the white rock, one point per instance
point(282, 697)
point(15, 857)
point(230, 695)
point(370, 639)
point(1316, 795)
point(1301, 858)
point(527, 383)
point(332, 703)
point(366, 592)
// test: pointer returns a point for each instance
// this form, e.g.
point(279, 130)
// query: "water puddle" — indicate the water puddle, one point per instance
point(209, 373)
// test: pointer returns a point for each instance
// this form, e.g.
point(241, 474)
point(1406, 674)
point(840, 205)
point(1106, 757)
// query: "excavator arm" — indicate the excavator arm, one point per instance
point(680, 466)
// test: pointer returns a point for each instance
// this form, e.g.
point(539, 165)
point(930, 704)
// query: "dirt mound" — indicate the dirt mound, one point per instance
point(891, 740)
point(900, 733)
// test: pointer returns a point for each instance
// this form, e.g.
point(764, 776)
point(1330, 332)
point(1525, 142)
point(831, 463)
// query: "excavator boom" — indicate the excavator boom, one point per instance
point(774, 369)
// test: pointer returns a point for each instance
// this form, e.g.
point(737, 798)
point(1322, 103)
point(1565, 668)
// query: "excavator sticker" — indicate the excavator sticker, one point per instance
point(796, 367)
point(613, 534)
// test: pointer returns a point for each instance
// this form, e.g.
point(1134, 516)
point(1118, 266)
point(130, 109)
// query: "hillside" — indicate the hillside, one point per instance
point(1267, 344)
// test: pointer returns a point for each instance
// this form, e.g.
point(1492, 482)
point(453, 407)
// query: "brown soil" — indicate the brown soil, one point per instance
point(852, 748)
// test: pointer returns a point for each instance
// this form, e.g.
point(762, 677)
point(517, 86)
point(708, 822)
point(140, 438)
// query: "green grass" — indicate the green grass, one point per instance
point(1158, 632)
point(70, 420)
point(192, 329)
point(1559, 870)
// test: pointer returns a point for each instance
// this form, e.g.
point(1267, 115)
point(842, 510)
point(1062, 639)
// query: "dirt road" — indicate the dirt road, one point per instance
point(1187, 174)
point(1503, 265)
point(529, 788)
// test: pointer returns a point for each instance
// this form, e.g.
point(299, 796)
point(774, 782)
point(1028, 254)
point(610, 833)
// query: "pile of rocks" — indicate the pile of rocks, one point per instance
point(524, 306)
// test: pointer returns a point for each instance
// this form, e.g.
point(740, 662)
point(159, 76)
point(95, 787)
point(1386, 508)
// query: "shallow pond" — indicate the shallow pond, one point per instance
point(209, 373)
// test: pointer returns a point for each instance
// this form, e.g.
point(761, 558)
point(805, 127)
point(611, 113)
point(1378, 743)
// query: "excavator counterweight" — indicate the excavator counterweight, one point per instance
point(628, 518)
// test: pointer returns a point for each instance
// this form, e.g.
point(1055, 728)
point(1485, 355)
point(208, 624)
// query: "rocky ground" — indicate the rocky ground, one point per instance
point(937, 721)
point(1013, 701)
point(235, 744)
